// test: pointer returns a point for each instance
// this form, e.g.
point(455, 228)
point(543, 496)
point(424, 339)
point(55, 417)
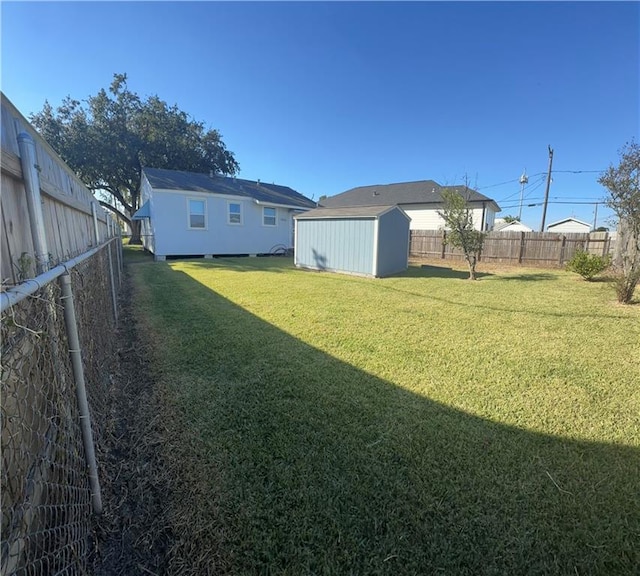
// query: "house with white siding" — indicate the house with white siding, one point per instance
point(513, 226)
point(420, 201)
point(192, 214)
point(568, 225)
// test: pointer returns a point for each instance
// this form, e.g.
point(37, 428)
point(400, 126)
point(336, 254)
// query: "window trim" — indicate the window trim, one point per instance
point(229, 203)
point(275, 216)
point(189, 213)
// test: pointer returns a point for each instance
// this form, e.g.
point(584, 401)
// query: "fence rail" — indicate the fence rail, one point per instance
point(546, 249)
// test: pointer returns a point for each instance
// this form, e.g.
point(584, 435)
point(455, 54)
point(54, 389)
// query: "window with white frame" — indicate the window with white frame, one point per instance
point(197, 213)
point(234, 213)
point(268, 216)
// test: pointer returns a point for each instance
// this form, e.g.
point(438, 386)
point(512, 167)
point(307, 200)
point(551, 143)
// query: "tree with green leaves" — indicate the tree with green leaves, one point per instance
point(109, 138)
point(623, 184)
point(458, 217)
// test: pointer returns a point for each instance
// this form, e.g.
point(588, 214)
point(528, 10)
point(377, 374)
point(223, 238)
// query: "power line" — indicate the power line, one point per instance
point(578, 171)
point(538, 174)
point(540, 180)
point(540, 202)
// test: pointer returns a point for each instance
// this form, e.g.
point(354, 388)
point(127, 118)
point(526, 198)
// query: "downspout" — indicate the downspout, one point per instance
point(484, 216)
point(31, 178)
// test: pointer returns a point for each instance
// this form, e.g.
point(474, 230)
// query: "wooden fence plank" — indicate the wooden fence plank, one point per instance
point(66, 202)
point(15, 221)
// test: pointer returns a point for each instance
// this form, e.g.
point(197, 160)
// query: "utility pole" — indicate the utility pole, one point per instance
point(546, 193)
point(524, 179)
point(595, 217)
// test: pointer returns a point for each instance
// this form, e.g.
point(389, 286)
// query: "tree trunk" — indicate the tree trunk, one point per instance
point(136, 226)
point(471, 261)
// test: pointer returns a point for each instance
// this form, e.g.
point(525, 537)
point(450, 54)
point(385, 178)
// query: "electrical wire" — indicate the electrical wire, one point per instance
point(538, 181)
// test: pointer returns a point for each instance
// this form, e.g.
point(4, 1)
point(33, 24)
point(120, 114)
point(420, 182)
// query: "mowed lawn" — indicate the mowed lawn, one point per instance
point(420, 424)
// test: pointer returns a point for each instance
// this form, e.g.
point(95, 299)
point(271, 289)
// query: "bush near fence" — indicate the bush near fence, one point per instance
point(544, 249)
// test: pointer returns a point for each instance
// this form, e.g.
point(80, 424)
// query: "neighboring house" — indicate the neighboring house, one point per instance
point(569, 225)
point(192, 214)
point(420, 200)
point(366, 240)
point(514, 226)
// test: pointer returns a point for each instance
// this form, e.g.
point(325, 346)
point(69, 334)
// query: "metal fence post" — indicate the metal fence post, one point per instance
point(81, 391)
point(96, 230)
point(114, 298)
point(31, 177)
point(118, 258)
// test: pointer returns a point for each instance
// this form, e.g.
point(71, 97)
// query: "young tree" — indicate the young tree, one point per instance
point(458, 216)
point(114, 134)
point(623, 184)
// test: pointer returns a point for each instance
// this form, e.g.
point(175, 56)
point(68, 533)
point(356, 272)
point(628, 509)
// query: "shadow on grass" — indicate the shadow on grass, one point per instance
point(134, 254)
point(531, 277)
point(326, 469)
point(430, 271)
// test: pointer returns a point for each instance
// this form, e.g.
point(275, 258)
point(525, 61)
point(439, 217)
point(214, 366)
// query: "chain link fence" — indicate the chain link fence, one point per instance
point(48, 493)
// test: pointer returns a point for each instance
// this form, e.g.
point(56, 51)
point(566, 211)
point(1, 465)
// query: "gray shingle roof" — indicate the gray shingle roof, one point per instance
point(160, 178)
point(350, 212)
point(421, 192)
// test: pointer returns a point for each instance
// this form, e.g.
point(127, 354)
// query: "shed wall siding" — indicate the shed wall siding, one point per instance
point(172, 236)
point(341, 245)
point(393, 243)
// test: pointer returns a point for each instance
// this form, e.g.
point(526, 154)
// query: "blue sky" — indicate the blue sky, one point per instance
point(323, 97)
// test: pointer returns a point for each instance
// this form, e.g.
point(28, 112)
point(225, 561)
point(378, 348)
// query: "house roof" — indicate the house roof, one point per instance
point(569, 220)
point(420, 192)
point(501, 226)
point(263, 193)
point(348, 212)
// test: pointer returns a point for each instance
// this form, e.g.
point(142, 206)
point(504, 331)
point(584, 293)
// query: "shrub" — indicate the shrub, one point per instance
point(588, 265)
point(624, 285)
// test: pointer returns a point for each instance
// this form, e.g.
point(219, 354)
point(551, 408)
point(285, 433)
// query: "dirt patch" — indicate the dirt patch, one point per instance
point(160, 515)
point(133, 535)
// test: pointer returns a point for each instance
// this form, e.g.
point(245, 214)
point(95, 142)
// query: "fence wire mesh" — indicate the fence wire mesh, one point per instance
point(46, 497)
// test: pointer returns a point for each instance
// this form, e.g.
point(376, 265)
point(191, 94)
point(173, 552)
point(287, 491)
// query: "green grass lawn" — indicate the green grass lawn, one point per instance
point(419, 424)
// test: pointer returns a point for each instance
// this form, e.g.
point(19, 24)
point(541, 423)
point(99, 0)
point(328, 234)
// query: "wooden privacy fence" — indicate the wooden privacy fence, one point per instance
point(547, 249)
point(70, 212)
point(61, 265)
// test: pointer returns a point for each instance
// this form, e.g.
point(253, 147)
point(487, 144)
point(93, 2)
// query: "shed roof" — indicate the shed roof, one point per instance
point(160, 178)
point(347, 213)
point(419, 192)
